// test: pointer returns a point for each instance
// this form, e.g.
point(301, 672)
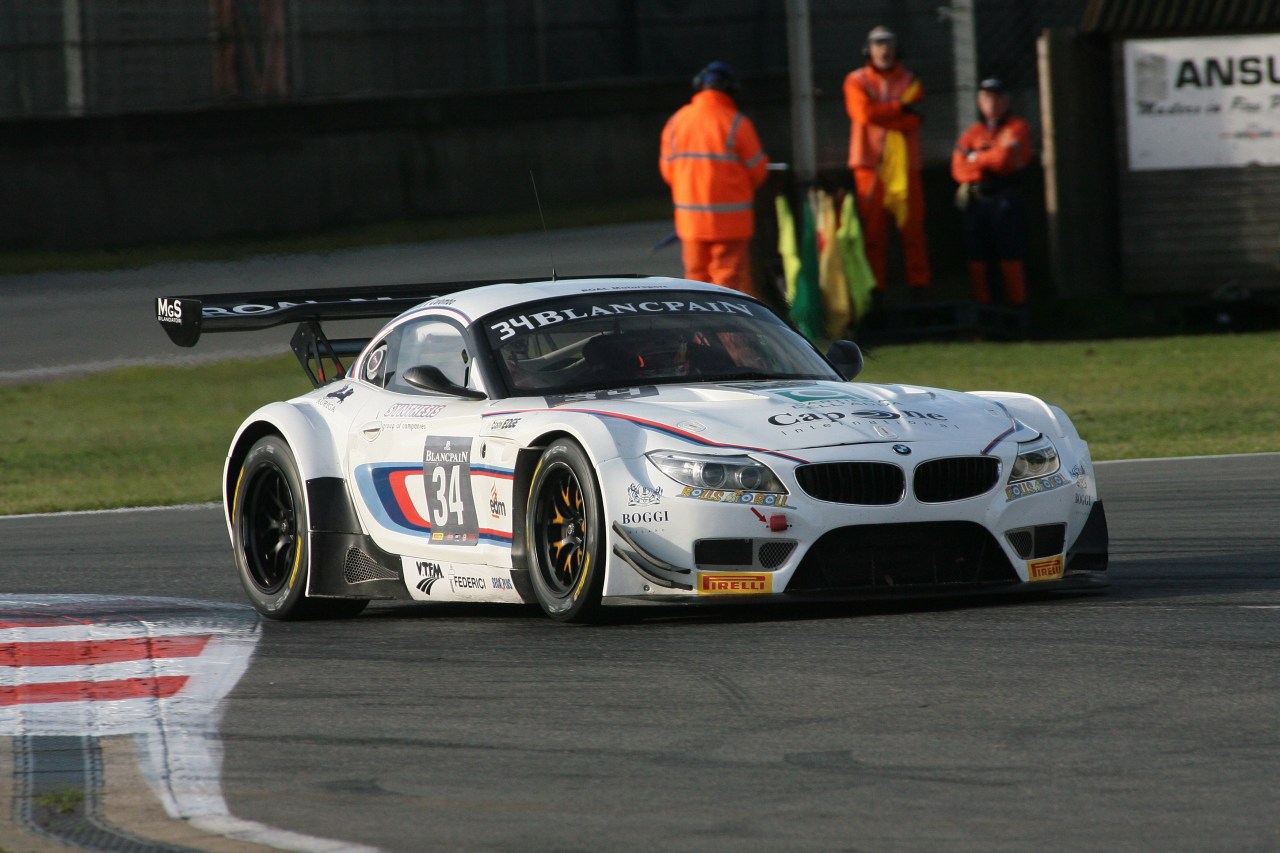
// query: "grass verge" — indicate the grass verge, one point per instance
point(1129, 398)
point(156, 436)
point(137, 436)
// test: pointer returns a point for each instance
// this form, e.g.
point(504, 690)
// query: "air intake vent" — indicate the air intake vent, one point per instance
point(722, 552)
point(943, 480)
point(360, 567)
point(1023, 541)
point(774, 554)
point(864, 483)
point(1043, 540)
point(878, 556)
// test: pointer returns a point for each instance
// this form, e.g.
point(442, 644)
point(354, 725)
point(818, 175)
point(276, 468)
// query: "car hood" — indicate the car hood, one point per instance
point(781, 415)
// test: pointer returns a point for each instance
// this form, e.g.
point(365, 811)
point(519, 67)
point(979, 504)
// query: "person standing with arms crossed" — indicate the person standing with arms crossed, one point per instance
point(712, 159)
point(987, 163)
point(884, 155)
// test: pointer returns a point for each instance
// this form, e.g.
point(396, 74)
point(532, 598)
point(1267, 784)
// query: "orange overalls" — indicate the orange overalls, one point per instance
point(987, 159)
point(874, 101)
point(711, 157)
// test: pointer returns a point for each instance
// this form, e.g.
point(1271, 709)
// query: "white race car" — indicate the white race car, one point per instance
point(595, 442)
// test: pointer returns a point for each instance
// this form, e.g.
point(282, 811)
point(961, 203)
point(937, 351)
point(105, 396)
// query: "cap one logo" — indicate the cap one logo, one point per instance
point(902, 450)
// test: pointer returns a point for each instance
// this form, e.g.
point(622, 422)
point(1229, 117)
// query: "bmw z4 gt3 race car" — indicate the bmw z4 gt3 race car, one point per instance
point(606, 441)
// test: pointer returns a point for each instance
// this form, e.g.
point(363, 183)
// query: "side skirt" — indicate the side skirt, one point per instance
point(350, 565)
point(345, 562)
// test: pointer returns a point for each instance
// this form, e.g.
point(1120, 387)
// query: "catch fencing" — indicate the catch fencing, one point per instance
point(71, 57)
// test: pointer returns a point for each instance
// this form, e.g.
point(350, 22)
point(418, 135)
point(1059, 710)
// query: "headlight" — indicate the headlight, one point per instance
point(1036, 458)
point(717, 472)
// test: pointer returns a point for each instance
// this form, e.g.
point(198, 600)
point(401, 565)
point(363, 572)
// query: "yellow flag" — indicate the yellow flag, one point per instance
point(835, 287)
point(893, 173)
point(787, 248)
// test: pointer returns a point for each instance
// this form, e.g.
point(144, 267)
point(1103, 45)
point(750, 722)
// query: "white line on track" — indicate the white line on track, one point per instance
point(1186, 458)
point(117, 511)
point(79, 371)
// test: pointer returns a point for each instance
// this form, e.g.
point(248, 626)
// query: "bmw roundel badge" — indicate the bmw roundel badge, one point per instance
point(902, 450)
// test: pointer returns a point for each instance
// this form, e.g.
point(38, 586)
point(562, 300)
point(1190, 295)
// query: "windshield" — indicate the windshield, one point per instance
point(611, 340)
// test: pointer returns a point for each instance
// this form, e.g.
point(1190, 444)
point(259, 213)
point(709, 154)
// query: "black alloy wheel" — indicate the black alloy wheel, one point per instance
point(270, 523)
point(565, 531)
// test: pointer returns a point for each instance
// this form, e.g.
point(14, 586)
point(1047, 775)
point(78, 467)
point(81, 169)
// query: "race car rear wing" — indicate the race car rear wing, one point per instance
point(186, 318)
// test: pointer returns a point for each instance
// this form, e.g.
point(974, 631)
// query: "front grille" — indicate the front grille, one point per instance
point(884, 556)
point(360, 567)
point(955, 479)
point(864, 483)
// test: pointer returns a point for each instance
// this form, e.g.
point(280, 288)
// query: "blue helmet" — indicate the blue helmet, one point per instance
point(717, 75)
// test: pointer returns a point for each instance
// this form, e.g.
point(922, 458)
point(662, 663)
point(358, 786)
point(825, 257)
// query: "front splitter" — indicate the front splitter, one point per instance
point(1078, 583)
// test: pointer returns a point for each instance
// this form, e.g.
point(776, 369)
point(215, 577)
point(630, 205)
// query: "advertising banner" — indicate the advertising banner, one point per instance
point(1193, 103)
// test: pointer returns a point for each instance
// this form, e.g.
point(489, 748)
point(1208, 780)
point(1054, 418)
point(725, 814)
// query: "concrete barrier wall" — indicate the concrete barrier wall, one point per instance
point(265, 170)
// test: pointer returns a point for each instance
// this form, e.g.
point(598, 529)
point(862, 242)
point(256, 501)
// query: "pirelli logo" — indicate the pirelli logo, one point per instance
point(1048, 569)
point(734, 583)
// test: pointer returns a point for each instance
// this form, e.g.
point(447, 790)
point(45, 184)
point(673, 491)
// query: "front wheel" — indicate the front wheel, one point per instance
point(565, 532)
point(270, 536)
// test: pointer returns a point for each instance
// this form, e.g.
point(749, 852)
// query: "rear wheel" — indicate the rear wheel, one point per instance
point(269, 534)
point(565, 532)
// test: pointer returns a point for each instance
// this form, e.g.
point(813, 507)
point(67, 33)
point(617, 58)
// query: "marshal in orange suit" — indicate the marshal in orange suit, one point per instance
point(884, 154)
point(712, 158)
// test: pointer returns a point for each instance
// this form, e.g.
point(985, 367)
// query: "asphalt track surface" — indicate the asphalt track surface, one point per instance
point(1141, 719)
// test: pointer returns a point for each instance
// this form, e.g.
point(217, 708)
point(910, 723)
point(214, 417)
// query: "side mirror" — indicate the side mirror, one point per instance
point(847, 358)
point(429, 378)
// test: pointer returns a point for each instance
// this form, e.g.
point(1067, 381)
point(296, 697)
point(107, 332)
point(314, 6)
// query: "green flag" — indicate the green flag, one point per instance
point(806, 309)
point(856, 269)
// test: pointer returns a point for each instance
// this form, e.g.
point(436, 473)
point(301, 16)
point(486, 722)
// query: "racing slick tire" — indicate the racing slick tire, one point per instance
point(270, 537)
point(564, 527)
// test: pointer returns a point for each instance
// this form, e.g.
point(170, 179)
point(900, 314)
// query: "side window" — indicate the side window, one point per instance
point(430, 341)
